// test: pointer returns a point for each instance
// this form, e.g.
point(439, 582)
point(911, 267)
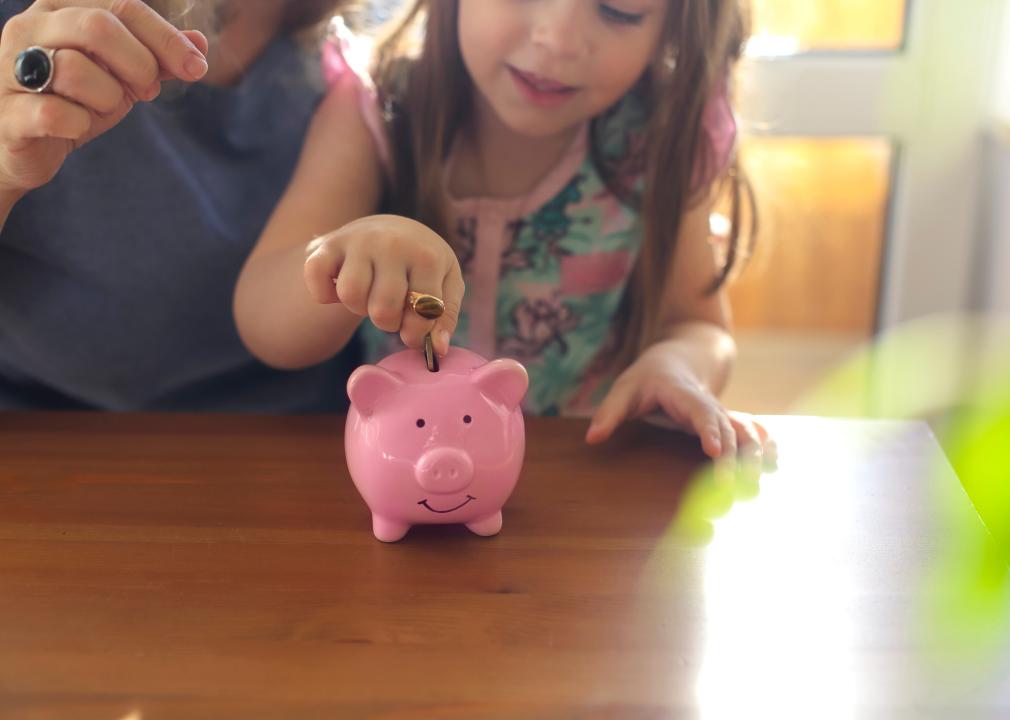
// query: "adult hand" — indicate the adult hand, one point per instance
point(110, 54)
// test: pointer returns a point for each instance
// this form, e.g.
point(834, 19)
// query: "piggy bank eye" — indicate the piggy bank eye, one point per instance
point(420, 422)
point(467, 419)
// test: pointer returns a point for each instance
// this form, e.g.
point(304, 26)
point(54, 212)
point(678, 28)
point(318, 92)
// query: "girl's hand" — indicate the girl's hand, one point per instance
point(370, 264)
point(659, 379)
point(109, 55)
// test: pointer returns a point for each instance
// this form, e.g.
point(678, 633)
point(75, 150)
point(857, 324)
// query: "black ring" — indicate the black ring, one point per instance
point(33, 69)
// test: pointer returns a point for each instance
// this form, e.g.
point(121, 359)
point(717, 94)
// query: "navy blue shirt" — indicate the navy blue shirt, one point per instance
point(116, 278)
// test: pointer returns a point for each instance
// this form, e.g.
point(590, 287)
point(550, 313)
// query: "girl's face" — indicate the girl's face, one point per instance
point(544, 66)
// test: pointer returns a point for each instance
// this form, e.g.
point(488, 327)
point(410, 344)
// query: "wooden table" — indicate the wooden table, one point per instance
point(162, 566)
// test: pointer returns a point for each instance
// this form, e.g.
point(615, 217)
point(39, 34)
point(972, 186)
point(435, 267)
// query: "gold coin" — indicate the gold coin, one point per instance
point(430, 358)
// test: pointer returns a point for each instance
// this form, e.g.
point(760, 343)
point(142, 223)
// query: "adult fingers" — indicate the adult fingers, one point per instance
point(76, 77)
point(127, 36)
point(29, 117)
point(201, 43)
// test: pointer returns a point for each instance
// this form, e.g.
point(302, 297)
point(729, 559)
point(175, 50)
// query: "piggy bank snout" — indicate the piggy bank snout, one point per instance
point(444, 470)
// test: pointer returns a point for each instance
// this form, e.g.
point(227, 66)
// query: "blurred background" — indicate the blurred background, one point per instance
point(877, 136)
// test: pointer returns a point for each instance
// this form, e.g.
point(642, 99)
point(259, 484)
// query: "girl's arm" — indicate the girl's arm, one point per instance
point(696, 324)
point(682, 373)
point(324, 260)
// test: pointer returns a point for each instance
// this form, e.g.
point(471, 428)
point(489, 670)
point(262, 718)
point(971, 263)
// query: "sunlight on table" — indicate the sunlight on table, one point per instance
point(775, 569)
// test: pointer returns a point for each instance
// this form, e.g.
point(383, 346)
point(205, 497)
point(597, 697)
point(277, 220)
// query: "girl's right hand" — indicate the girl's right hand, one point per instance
point(370, 264)
point(110, 54)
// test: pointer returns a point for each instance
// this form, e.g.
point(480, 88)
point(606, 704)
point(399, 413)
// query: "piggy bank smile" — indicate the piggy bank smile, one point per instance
point(469, 499)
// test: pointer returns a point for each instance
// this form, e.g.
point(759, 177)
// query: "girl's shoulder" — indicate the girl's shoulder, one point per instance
point(719, 131)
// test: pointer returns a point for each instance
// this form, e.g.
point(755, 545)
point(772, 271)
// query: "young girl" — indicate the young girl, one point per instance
point(568, 151)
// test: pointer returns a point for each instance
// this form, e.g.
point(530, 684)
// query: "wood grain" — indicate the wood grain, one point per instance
point(177, 566)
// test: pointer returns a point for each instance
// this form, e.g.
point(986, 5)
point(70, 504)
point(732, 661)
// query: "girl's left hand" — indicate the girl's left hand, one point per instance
point(659, 379)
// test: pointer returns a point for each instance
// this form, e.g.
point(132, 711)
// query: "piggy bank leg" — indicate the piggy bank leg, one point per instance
point(388, 530)
point(486, 526)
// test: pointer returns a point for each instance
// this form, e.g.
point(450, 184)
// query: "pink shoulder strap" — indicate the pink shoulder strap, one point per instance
point(719, 124)
point(343, 53)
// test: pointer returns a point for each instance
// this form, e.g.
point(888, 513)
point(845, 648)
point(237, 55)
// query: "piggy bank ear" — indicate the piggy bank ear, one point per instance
point(368, 385)
point(503, 381)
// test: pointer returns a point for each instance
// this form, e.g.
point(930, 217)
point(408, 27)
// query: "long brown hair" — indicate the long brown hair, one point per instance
point(428, 103)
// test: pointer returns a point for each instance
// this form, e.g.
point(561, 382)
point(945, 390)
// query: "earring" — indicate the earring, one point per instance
point(670, 58)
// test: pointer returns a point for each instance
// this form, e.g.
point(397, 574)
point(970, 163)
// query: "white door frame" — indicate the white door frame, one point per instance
point(932, 99)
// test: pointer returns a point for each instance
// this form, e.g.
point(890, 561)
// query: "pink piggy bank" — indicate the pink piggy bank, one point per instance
point(435, 447)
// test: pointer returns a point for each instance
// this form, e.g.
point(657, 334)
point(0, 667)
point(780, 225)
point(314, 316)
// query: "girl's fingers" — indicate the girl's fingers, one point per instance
point(704, 421)
point(320, 272)
point(424, 275)
point(385, 301)
point(354, 283)
point(770, 454)
point(748, 439)
point(76, 77)
point(725, 466)
point(751, 453)
point(709, 420)
point(452, 295)
point(729, 444)
point(612, 411)
point(768, 450)
point(29, 117)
